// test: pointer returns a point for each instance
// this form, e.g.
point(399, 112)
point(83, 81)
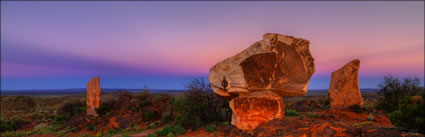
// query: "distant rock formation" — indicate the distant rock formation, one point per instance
point(276, 66)
point(93, 96)
point(250, 111)
point(344, 88)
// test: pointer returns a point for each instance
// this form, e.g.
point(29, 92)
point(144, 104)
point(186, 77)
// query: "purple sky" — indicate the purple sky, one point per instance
point(50, 45)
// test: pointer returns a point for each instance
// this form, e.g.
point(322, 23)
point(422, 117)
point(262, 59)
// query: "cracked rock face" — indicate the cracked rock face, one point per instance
point(344, 88)
point(278, 63)
point(250, 111)
point(93, 96)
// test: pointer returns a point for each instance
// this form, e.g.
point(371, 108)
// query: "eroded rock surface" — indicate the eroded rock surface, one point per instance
point(278, 63)
point(93, 96)
point(249, 111)
point(344, 88)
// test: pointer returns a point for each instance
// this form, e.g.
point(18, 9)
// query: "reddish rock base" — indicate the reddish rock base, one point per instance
point(326, 123)
point(251, 110)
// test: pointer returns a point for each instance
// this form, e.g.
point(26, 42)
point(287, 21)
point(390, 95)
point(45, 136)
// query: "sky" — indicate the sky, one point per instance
point(164, 45)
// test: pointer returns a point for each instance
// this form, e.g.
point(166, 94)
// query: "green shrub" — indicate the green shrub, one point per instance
point(309, 115)
point(6, 125)
point(152, 125)
point(170, 135)
point(110, 131)
point(410, 116)
point(392, 91)
point(178, 129)
point(152, 135)
point(395, 97)
point(292, 112)
point(144, 99)
point(164, 131)
point(103, 109)
point(149, 114)
point(60, 119)
point(211, 128)
point(357, 108)
point(90, 127)
point(200, 106)
point(70, 108)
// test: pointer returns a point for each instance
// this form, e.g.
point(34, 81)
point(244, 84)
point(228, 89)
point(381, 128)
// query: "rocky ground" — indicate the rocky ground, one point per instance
point(308, 116)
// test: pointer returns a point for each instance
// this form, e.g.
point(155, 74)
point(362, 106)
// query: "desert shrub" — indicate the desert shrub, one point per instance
point(90, 127)
point(152, 135)
point(324, 104)
point(152, 125)
point(292, 112)
point(103, 109)
point(6, 125)
point(309, 115)
point(211, 128)
point(200, 106)
point(170, 135)
point(392, 91)
point(60, 119)
point(143, 99)
point(395, 97)
point(164, 131)
point(357, 108)
point(110, 131)
point(410, 116)
point(70, 108)
point(166, 117)
point(148, 114)
point(178, 129)
point(23, 103)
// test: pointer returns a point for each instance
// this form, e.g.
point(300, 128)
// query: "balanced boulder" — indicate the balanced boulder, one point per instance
point(278, 63)
point(93, 96)
point(256, 78)
point(344, 88)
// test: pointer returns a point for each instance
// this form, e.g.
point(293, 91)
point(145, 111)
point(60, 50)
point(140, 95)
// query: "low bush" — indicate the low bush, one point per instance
point(178, 129)
point(211, 128)
point(356, 108)
point(90, 127)
point(200, 106)
point(6, 125)
point(292, 112)
point(149, 115)
point(70, 108)
point(164, 131)
point(410, 116)
point(152, 135)
point(396, 98)
point(392, 91)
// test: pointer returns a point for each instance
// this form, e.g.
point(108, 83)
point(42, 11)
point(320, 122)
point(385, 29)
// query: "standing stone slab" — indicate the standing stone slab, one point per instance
point(250, 111)
point(344, 88)
point(93, 96)
point(278, 63)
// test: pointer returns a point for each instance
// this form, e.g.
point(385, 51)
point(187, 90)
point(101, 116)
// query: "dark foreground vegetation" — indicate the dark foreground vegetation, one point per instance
point(196, 112)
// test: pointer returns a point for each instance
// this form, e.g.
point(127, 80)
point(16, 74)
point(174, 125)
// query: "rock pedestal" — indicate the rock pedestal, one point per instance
point(344, 88)
point(93, 96)
point(250, 111)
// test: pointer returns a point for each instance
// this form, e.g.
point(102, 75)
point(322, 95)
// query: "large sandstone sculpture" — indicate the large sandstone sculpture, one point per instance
point(93, 96)
point(258, 76)
point(279, 63)
point(250, 111)
point(344, 88)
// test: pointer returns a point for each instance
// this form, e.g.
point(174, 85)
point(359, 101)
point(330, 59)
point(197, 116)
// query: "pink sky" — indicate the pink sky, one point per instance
point(182, 39)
